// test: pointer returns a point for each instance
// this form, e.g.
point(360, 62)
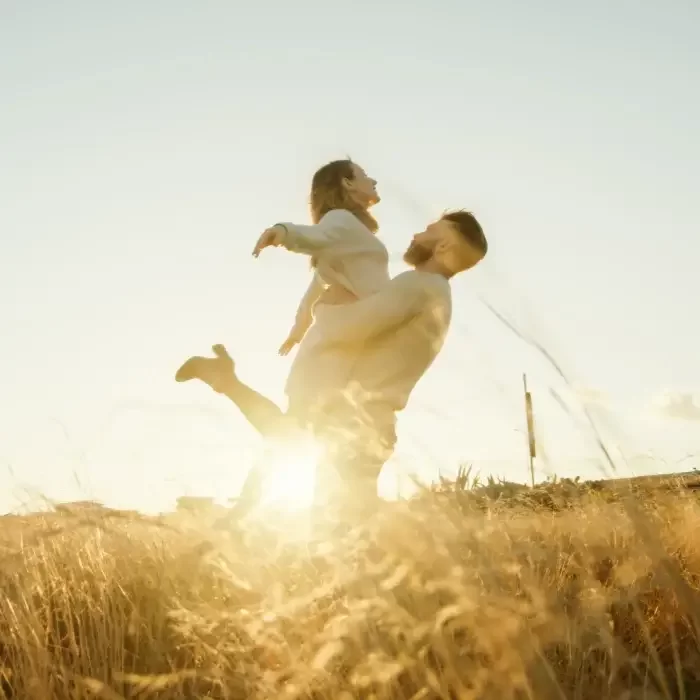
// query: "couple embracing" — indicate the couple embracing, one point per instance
point(364, 339)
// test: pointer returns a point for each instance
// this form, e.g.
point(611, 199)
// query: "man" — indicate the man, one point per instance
point(392, 336)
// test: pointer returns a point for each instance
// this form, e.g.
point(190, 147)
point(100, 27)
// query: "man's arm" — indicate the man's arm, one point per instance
point(399, 301)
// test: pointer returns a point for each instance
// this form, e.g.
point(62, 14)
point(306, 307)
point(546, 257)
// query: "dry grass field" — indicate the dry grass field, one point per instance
point(567, 591)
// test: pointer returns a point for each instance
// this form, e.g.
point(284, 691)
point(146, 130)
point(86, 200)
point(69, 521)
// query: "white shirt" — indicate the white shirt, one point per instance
point(369, 355)
point(346, 252)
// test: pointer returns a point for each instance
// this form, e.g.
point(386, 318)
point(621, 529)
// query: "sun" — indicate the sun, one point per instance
point(291, 475)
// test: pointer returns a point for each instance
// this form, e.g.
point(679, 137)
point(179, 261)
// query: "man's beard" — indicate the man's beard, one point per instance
point(417, 254)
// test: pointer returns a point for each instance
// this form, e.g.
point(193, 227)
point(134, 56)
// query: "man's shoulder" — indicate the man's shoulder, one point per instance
point(430, 282)
point(429, 293)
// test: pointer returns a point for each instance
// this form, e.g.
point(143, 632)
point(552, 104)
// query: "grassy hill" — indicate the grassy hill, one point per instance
point(565, 591)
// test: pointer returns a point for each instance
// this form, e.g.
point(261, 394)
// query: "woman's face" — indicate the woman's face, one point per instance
point(362, 188)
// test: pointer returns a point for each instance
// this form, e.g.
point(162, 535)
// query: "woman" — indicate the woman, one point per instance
point(349, 263)
point(338, 188)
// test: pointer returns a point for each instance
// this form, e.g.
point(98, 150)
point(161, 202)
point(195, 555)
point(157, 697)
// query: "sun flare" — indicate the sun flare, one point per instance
point(291, 475)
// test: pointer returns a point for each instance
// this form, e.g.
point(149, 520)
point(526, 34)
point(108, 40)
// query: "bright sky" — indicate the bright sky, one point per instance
point(145, 146)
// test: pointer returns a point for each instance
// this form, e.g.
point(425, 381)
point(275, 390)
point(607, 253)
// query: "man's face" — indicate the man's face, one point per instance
point(439, 235)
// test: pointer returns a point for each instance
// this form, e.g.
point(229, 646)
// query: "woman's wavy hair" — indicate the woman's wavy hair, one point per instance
point(328, 193)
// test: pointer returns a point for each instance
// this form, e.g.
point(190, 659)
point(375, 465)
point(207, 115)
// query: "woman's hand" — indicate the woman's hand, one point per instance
point(288, 344)
point(272, 236)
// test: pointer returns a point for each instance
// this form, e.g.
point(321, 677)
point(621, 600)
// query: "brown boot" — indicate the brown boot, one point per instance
point(216, 372)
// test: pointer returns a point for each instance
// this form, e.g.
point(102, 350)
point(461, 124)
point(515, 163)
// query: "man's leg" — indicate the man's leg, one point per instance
point(346, 493)
point(359, 471)
point(219, 373)
point(347, 477)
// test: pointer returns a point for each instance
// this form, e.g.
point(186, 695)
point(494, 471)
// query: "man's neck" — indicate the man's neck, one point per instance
point(436, 267)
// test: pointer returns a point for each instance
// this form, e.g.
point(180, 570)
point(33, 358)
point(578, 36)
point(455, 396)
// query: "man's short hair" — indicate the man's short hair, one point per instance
point(470, 228)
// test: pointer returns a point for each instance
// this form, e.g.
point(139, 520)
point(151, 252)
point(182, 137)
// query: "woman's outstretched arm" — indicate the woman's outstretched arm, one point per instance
point(335, 228)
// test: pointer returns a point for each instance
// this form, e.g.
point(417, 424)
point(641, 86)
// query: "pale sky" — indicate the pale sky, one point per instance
point(144, 146)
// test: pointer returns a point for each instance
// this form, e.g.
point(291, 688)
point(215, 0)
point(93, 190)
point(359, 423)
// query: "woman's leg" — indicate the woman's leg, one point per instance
point(219, 373)
point(263, 414)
